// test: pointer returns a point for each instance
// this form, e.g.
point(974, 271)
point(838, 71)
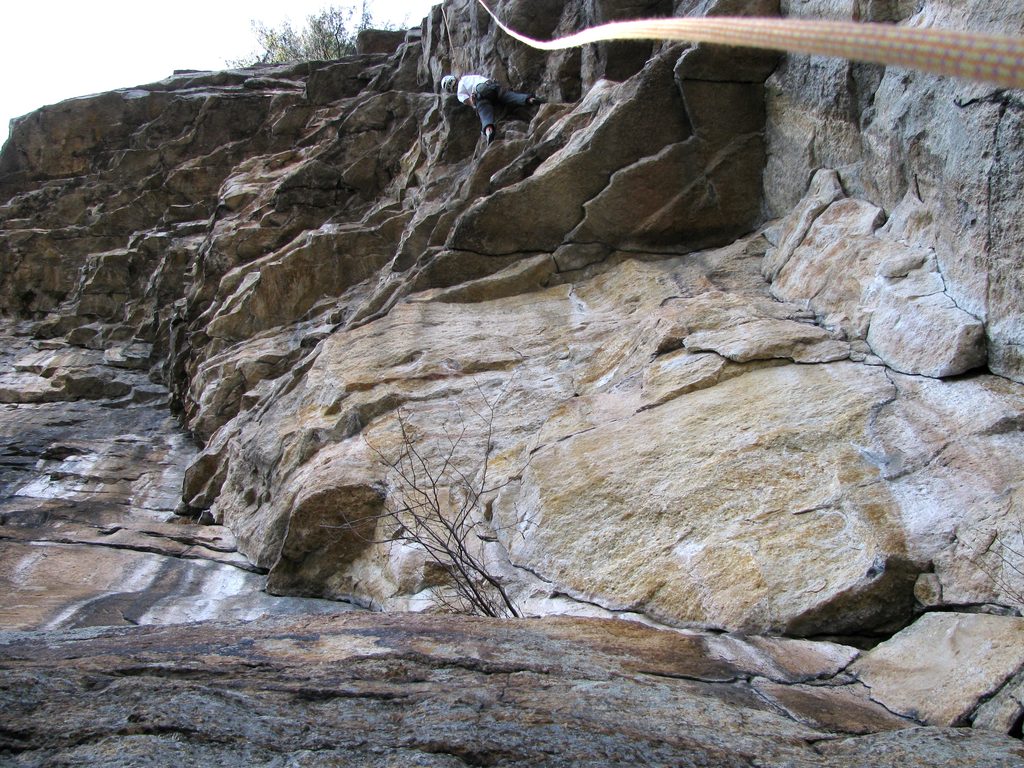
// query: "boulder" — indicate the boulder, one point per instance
point(943, 666)
point(925, 334)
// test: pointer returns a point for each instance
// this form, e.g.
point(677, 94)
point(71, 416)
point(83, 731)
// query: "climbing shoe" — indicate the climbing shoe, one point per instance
point(534, 100)
point(489, 133)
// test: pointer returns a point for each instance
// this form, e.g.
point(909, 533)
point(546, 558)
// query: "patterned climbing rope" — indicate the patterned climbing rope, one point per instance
point(994, 59)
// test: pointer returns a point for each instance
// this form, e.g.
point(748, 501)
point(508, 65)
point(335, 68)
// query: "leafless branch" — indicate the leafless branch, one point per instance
point(1011, 562)
point(436, 503)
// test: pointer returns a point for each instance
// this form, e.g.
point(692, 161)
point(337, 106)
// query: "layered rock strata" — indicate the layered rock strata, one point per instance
point(91, 466)
point(724, 341)
point(373, 690)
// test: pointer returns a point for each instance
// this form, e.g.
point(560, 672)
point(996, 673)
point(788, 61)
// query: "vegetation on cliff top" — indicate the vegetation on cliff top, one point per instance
point(328, 34)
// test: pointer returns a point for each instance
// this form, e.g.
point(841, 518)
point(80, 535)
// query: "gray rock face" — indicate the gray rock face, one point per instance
point(893, 136)
point(91, 466)
point(373, 690)
point(723, 341)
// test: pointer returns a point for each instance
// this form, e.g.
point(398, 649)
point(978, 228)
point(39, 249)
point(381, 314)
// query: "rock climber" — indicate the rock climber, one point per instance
point(485, 95)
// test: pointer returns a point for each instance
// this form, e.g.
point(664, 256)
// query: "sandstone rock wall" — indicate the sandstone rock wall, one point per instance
point(948, 151)
point(91, 467)
point(732, 334)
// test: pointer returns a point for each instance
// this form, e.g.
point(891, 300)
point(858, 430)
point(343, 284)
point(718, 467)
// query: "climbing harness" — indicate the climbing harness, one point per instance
point(489, 90)
point(994, 59)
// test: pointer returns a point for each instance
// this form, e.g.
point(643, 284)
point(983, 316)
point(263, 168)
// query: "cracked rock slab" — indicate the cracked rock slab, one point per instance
point(940, 668)
point(667, 512)
point(926, 335)
point(375, 690)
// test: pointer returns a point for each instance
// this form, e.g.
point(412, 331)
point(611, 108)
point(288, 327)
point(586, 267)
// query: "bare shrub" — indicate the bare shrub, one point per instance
point(436, 503)
point(1007, 571)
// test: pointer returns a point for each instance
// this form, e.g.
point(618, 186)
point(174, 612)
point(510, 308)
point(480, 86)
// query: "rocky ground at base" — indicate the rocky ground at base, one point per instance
point(384, 690)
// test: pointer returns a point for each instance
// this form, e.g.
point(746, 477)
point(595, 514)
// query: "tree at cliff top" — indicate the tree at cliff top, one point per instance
point(329, 34)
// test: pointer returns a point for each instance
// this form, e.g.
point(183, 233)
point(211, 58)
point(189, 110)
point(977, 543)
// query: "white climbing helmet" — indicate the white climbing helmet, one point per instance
point(448, 83)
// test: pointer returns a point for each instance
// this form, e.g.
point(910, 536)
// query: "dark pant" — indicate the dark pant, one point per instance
point(492, 97)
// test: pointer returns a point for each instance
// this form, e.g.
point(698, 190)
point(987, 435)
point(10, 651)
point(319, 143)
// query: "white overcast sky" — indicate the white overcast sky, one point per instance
point(51, 50)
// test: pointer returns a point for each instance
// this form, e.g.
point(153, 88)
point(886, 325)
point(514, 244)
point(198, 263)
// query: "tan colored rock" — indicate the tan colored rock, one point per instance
point(27, 388)
point(299, 252)
point(742, 329)
point(226, 382)
point(116, 582)
point(850, 271)
point(304, 253)
point(940, 668)
point(655, 512)
point(782, 660)
point(928, 590)
point(825, 189)
point(835, 264)
point(676, 373)
point(90, 486)
point(925, 334)
point(585, 191)
point(520, 277)
point(64, 373)
point(593, 369)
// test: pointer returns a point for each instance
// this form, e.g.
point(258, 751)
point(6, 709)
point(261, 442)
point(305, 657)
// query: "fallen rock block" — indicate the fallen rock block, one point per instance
point(944, 665)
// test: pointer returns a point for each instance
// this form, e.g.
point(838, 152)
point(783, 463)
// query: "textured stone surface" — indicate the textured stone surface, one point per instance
point(931, 669)
point(895, 135)
point(930, 438)
point(367, 255)
point(91, 478)
point(692, 542)
point(377, 690)
point(862, 279)
point(574, 428)
point(688, 415)
point(691, 169)
point(925, 334)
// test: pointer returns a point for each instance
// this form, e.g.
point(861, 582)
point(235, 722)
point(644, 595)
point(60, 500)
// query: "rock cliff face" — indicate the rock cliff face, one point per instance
point(729, 342)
